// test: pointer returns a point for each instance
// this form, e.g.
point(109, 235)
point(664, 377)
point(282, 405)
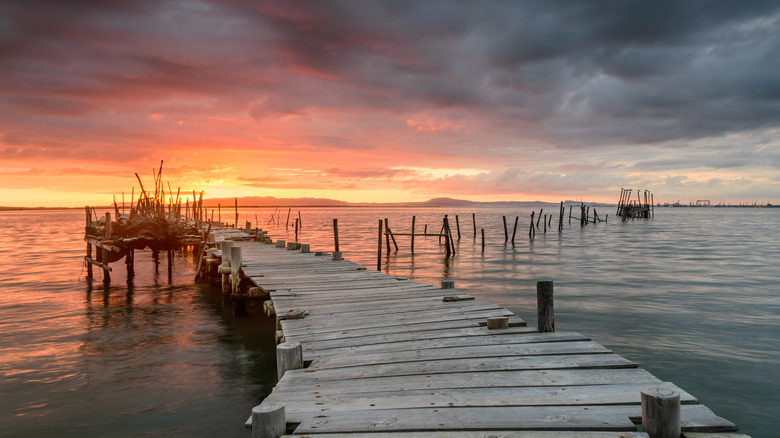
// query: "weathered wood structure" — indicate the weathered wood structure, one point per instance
point(641, 207)
point(369, 353)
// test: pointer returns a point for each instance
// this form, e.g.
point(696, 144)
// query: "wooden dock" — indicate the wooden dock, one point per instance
point(388, 357)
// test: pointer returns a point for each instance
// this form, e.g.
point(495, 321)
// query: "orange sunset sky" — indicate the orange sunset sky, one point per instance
point(371, 101)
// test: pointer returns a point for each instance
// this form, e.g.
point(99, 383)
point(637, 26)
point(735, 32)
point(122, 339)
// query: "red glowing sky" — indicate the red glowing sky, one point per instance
point(386, 101)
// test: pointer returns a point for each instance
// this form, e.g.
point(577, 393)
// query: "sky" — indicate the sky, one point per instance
point(369, 101)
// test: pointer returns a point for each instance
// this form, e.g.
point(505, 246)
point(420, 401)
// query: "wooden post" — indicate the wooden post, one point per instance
point(235, 267)
point(130, 262)
point(457, 225)
point(483, 240)
point(336, 234)
point(108, 226)
point(544, 310)
point(89, 246)
point(379, 248)
point(236, 207)
point(560, 220)
point(225, 248)
point(300, 221)
point(447, 235)
point(289, 356)
point(514, 230)
point(661, 412)
point(474, 223)
point(545, 224)
point(506, 232)
point(570, 213)
point(413, 219)
point(287, 224)
point(296, 230)
point(89, 256)
point(448, 284)
point(269, 420)
point(538, 218)
point(532, 230)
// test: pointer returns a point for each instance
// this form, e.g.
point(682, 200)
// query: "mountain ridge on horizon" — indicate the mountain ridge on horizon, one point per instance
point(271, 201)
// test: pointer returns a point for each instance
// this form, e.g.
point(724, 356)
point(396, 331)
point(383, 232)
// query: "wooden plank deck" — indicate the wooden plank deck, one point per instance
point(390, 358)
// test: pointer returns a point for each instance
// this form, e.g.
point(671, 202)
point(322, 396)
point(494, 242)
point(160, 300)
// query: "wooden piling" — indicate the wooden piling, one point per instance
point(457, 225)
point(514, 230)
point(268, 420)
point(483, 240)
point(236, 207)
point(336, 234)
point(413, 219)
point(532, 230)
point(538, 218)
point(474, 223)
point(545, 310)
point(661, 412)
point(235, 268)
point(289, 356)
point(506, 233)
point(379, 248)
point(560, 220)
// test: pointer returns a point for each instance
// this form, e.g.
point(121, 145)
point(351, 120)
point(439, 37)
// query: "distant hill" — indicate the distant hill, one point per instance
point(270, 201)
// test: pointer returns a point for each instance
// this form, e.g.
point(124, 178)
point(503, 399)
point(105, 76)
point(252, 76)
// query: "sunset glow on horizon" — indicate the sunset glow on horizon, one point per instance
point(389, 102)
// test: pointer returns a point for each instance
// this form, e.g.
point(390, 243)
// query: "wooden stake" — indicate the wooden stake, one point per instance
point(661, 412)
point(514, 230)
point(474, 223)
point(457, 225)
point(379, 248)
point(506, 233)
point(413, 219)
point(336, 234)
point(544, 310)
point(483, 240)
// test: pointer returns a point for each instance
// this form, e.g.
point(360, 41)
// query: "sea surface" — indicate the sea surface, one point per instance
point(692, 295)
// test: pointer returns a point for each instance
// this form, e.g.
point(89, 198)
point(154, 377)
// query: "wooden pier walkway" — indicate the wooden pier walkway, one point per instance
point(388, 357)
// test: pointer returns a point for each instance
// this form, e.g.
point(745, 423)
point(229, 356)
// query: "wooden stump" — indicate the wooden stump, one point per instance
point(289, 356)
point(661, 412)
point(268, 420)
point(448, 284)
point(337, 255)
point(544, 311)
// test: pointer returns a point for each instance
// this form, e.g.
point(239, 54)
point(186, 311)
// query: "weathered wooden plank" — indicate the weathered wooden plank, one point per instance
point(463, 352)
point(591, 395)
point(446, 340)
point(454, 324)
point(292, 327)
point(580, 418)
point(443, 366)
point(428, 305)
point(388, 303)
point(300, 385)
point(317, 323)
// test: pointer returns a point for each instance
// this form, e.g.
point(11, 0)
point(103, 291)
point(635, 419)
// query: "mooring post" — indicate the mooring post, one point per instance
point(289, 356)
point(457, 225)
point(336, 234)
point(413, 219)
point(483, 240)
point(448, 284)
point(268, 420)
point(225, 246)
point(474, 223)
point(544, 311)
point(514, 230)
point(506, 232)
point(661, 412)
point(379, 248)
point(235, 267)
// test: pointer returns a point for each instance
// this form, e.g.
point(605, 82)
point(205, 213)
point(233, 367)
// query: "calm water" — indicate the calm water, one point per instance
point(691, 295)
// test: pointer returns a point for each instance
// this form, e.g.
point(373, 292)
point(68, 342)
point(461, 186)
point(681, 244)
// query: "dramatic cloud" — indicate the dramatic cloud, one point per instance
point(523, 100)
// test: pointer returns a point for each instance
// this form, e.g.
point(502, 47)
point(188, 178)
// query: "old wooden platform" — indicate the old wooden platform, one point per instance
point(391, 357)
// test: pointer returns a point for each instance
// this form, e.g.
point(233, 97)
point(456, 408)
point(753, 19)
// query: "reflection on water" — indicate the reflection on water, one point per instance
point(151, 355)
point(691, 296)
